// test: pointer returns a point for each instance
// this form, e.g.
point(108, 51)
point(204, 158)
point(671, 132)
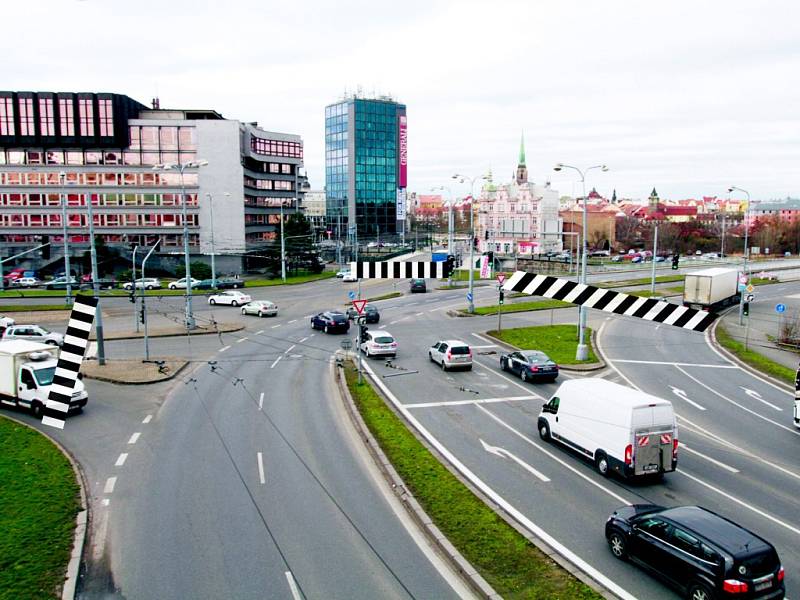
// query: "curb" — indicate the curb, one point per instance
point(69, 589)
point(417, 513)
point(572, 368)
point(148, 382)
point(113, 338)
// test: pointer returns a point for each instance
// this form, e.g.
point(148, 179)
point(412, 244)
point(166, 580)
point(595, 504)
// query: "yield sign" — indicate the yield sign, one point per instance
point(501, 277)
point(359, 304)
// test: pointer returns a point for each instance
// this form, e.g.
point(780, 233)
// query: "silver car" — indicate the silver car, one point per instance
point(451, 354)
point(260, 308)
point(34, 333)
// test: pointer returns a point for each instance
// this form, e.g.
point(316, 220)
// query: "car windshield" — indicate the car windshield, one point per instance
point(459, 350)
point(44, 376)
point(536, 357)
point(419, 282)
point(371, 309)
point(384, 339)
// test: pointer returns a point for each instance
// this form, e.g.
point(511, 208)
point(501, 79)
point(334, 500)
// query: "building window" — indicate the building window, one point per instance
point(106, 118)
point(86, 115)
point(276, 148)
point(26, 116)
point(283, 185)
point(67, 116)
point(6, 116)
point(47, 124)
point(286, 169)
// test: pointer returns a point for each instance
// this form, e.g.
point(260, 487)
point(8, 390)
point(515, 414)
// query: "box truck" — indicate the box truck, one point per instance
point(621, 430)
point(711, 289)
point(26, 372)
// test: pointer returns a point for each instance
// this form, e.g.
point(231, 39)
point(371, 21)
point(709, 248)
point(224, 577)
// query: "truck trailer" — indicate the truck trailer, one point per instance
point(711, 289)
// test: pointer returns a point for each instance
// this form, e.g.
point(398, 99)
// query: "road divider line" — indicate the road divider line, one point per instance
point(683, 446)
point(303, 340)
point(223, 349)
point(503, 453)
point(121, 460)
point(134, 437)
point(674, 364)
point(261, 401)
point(147, 419)
point(276, 326)
point(290, 348)
point(240, 340)
point(293, 586)
point(261, 469)
point(485, 346)
point(109, 487)
point(277, 360)
point(466, 402)
point(293, 321)
point(682, 395)
point(419, 314)
point(259, 332)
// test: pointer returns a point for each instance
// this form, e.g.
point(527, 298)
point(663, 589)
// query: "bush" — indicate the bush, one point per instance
point(199, 269)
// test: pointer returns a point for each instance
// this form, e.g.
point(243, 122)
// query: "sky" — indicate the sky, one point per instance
point(688, 97)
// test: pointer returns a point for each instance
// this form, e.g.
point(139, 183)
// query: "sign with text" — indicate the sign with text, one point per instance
point(403, 153)
point(401, 204)
point(484, 267)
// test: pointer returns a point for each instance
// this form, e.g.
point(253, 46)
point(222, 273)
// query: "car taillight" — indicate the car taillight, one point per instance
point(534, 369)
point(449, 356)
point(780, 574)
point(674, 448)
point(394, 344)
point(734, 586)
point(629, 454)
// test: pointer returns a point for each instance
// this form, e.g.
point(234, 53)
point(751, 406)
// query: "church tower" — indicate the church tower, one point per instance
point(522, 170)
point(652, 201)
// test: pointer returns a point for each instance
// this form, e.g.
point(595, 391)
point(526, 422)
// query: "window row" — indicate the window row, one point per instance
point(156, 179)
point(276, 147)
point(262, 219)
point(47, 119)
point(260, 236)
point(269, 184)
point(253, 201)
point(97, 199)
point(92, 157)
point(165, 138)
point(138, 219)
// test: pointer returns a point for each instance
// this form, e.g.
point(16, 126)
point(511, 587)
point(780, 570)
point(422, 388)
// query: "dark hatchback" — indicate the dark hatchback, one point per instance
point(223, 283)
point(418, 285)
point(530, 365)
point(370, 314)
point(696, 551)
point(331, 322)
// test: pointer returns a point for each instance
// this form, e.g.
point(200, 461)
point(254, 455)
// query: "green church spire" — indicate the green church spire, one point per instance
point(522, 149)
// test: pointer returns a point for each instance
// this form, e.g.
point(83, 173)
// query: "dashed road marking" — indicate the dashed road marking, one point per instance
point(134, 437)
point(419, 314)
point(463, 402)
point(223, 349)
point(109, 487)
point(277, 360)
point(121, 460)
point(147, 419)
point(261, 401)
point(293, 586)
point(261, 469)
point(239, 341)
point(293, 321)
point(276, 326)
point(683, 446)
point(259, 332)
point(303, 340)
point(290, 348)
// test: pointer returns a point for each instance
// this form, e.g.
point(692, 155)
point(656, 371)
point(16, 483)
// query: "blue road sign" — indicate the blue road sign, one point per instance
point(469, 297)
point(351, 294)
point(779, 308)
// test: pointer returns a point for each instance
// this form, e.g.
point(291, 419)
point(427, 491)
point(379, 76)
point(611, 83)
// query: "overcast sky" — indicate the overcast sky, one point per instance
point(688, 97)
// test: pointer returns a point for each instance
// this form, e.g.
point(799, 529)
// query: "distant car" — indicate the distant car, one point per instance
point(530, 365)
point(108, 283)
point(34, 333)
point(226, 283)
point(6, 322)
point(180, 284)
point(418, 285)
point(341, 273)
point(60, 283)
point(331, 321)
point(617, 258)
point(702, 554)
point(230, 298)
point(451, 354)
point(378, 343)
point(599, 253)
point(27, 282)
point(637, 259)
point(148, 283)
point(659, 259)
point(260, 308)
point(349, 277)
point(370, 314)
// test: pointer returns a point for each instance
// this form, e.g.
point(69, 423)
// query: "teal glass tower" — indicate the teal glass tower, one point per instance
point(365, 166)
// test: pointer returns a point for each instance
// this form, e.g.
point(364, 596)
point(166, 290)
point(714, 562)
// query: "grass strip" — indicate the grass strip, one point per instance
point(294, 280)
point(640, 281)
point(753, 358)
point(559, 342)
point(40, 499)
point(9, 308)
point(521, 307)
point(510, 563)
point(388, 296)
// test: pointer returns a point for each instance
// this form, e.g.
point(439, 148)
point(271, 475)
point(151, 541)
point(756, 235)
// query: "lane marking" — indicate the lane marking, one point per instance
point(293, 321)
point(109, 487)
point(293, 586)
point(483, 338)
point(447, 306)
point(223, 349)
point(312, 335)
point(240, 340)
point(259, 332)
point(419, 314)
point(308, 316)
point(683, 446)
point(261, 469)
point(290, 348)
point(303, 340)
point(261, 401)
point(682, 395)
point(757, 396)
point(121, 460)
point(503, 453)
point(277, 360)
point(485, 346)
point(412, 303)
point(276, 326)
point(147, 419)
point(134, 437)
point(674, 364)
point(466, 402)
point(106, 501)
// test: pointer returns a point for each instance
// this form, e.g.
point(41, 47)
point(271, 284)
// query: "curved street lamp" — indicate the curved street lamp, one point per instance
point(746, 246)
point(461, 179)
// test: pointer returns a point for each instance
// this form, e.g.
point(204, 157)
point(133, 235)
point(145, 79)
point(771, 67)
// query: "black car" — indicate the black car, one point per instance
point(331, 322)
point(223, 283)
point(529, 365)
point(370, 314)
point(418, 285)
point(697, 551)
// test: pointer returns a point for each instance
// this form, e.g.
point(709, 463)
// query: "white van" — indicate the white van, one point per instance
point(618, 428)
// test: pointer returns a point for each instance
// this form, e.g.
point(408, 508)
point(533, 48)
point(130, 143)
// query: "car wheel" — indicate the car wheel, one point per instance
point(51, 342)
point(326, 329)
point(523, 376)
point(698, 591)
point(601, 461)
point(544, 430)
point(444, 366)
point(618, 546)
point(502, 365)
point(149, 287)
point(234, 303)
point(212, 301)
point(37, 408)
point(244, 312)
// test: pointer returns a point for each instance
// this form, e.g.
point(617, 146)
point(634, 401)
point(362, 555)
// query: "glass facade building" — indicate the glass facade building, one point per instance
point(365, 164)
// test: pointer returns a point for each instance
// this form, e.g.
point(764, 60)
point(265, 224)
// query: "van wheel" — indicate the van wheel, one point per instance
point(618, 545)
point(37, 408)
point(602, 463)
point(544, 430)
point(698, 591)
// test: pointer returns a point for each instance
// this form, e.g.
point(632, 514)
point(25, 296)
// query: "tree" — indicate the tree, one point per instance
point(199, 270)
point(299, 245)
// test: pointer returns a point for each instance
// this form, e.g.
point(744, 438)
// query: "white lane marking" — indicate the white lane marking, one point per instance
point(485, 346)
point(757, 396)
point(276, 326)
point(312, 335)
point(293, 586)
point(293, 321)
point(744, 408)
point(465, 402)
point(683, 446)
point(223, 349)
point(290, 348)
point(308, 316)
point(412, 303)
point(261, 469)
point(277, 360)
point(419, 314)
point(261, 401)
point(503, 453)
point(758, 511)
point(303, 340)
point(121, 460)
point(674, 364)
point(682, 395)
point(134, 437)
point(147, 419)
point(109, 487)
point(259, 332)
point(483, 338)
point(447, 306)
point(106, 501)
point(240, 340)
point(497, 498)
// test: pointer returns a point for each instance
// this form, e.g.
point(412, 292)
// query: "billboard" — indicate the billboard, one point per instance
point(403, 153)
point(401, 204)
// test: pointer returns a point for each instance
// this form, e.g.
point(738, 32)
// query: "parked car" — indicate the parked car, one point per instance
point(659, 259)
point(108, 283)
point(617, 258)
point(148, 283)
point(451, 354)
point(60, 283)
point(180, 284)
point(349, 277)
point(700, 553)
point(378, 343)
point(27, 282)
point(529, 365)
point(418, 285)
point(227, 283)
point(260, 308)
point(331, 321)
point(34, 333)
point(637, 259)
point(231, 298)
point(370, 314)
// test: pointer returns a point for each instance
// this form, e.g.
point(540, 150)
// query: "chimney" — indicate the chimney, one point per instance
point(156, 104)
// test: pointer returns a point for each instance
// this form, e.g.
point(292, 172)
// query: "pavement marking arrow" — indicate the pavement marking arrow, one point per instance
point(757, 396)
point(682, 395)
point(503, 453)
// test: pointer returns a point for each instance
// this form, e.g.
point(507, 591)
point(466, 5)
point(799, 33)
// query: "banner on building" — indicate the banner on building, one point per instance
point(401, 204)
point(402, 161)
point(485, 272)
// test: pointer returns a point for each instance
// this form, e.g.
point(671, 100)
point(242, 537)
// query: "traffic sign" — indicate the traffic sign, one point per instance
point(469, 297)
point(501, 277)
point(351, 294)
point(749, 289)
point(779, 308)
point(742, 278)
point(359, 304)
point(750, 298)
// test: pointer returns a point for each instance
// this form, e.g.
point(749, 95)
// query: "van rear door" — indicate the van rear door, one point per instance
point(654, 435)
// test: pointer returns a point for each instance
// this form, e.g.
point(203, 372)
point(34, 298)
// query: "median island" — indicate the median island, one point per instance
point(559, 342)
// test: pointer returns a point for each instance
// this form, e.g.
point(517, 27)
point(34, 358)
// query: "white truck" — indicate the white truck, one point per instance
point(711, 289)
point(26, 372)
point(618, 428)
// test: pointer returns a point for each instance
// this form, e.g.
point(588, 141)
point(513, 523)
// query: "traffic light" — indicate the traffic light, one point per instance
point(450, 265)
point(502, 296)
point(746, 309)
point(132, 296)
point(363, 332)
point(675, 259)
point(141, 315)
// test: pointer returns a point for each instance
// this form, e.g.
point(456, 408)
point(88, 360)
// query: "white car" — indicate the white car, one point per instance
point(342, 273)
point(6, 322)
point(148, 283)
point(27, 282)
point(33, 333)
point(232, 298)
point(181, 283)
point(451, 354)
point(260, 308)
point(378, 343)
point(349, 277)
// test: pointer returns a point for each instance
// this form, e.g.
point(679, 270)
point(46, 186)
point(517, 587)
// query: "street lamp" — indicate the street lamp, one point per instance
point(450, 221)
point(582, 352)
point(180, 167)
point(746, 246)
point(67, 271)
point(471, 180)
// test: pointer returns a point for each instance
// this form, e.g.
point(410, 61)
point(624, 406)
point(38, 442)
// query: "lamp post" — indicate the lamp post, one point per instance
point(746, 246)
point(582, 352)
point(180, 167)
point(98, 324)
point(471, 180)
point(450, 222)
point(67, 271)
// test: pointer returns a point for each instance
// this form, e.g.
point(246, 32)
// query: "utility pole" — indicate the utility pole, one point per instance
point(98, 323)
point(283, 248)
point(67, 271)
point(133, 291)
point(144, 308)
point(500, 301)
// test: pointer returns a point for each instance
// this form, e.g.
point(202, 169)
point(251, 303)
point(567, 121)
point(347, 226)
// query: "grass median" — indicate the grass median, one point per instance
point(640, 281)
point(9, 308)
point(521, 307)
point(559, 342)
point(510, 563)
point(40, 499)
point(753, 358)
